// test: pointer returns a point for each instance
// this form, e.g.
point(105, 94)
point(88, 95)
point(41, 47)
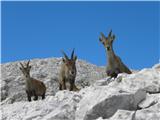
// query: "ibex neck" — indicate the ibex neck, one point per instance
point(110, 55)
point(28, 78)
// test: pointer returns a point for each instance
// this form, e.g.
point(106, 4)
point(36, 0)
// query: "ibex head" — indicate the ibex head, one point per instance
point(25, 69)
point(107, 41)
point(70, 64)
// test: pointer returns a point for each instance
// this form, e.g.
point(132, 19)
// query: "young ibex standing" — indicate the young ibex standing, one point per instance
point(33, 87)
point(68, 73)
point(115, 65)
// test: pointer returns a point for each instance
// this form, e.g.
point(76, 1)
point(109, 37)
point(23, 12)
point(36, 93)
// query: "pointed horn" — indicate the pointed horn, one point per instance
point(64, 54)
point(72, 55)
point(28, 63)
point(21, 65)
point(110, 33)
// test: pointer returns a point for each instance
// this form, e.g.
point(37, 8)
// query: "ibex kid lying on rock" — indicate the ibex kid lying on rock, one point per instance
point(68, 73)
point(115, 65)
point(33, 87)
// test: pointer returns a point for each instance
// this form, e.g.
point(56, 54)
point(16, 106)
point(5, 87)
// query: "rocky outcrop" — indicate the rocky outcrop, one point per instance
point(128, 97)
point(46, 70)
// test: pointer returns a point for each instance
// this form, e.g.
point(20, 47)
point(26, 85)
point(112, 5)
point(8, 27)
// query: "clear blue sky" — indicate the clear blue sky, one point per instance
point(43, 29)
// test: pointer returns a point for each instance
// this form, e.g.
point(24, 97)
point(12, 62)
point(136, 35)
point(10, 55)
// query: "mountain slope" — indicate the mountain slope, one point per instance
point(129, 97)
point(46, 70)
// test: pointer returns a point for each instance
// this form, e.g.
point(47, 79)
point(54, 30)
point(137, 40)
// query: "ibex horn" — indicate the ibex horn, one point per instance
point(72, 55)
point(21, 65)
point(65, 55)
point(110, 33)
point(28, 63)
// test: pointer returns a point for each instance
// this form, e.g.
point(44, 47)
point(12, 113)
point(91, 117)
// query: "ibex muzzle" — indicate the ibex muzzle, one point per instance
point(68, 72)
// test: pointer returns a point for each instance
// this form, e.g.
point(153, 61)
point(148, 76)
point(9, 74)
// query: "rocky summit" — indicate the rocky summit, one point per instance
point(127, 97)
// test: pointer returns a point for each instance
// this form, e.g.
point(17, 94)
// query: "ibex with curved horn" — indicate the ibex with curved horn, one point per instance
point(33, 87)
point(68, 73)
point(115, 65)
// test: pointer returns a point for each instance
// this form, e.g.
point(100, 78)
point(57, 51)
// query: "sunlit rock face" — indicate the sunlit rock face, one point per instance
point(128, 97)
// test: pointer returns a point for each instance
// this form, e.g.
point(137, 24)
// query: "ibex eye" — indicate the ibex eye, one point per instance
point(72, 72)
point(108, 48)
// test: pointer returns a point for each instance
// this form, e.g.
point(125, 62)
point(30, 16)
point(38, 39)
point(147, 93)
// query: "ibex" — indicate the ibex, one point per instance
point(33, 87)
point(115, 65)
point(68, 73)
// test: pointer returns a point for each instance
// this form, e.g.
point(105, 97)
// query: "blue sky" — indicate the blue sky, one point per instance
point(42, 29)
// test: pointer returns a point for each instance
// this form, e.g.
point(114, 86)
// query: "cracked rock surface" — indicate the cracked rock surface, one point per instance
point(128, 97)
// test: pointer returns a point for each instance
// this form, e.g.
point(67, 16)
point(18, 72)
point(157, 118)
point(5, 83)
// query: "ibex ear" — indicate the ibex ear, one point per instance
point(100, 39)
point(30, 67)
point(113, 38)
point(75, 58)
point(20, 68)
point(102, 36)
point(64, 60)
